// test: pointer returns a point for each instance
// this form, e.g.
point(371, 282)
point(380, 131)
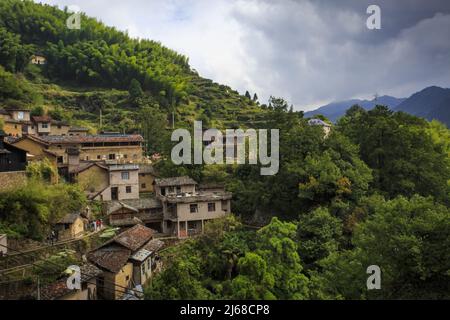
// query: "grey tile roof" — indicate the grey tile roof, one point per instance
point(69, 218)
point(133, 204)
point(175, 181)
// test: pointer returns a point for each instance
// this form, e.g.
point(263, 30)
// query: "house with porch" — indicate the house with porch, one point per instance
point(186, 208)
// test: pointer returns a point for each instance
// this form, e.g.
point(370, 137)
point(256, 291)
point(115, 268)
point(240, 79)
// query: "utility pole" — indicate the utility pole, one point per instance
point(101, 119)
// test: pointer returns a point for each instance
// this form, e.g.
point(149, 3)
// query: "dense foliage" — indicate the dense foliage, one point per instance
point(375, 190)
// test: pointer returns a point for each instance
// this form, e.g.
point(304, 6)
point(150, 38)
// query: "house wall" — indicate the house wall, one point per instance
point(12, 179)
point(42, 130)
point(133, 181)
point(184, 213)
point(75, 229)
point(59, 131)
point(32, 147)
point(11, 128)
point(123, 279)
point(147, 179)
point(15, 115)
point(133, 153)
point(93, 179)
point(142, 272)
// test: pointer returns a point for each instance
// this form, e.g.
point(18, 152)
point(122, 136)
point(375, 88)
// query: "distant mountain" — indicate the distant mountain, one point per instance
point(335, 110)
point(430, 103)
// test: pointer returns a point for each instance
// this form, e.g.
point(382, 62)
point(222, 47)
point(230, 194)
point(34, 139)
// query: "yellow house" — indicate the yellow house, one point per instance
point(70, 226)
point(36, 149)
point(116, 259)
point(147, 176)
point(38, 59)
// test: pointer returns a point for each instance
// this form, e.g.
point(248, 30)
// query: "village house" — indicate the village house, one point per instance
point(71, 226)
point(147, 176)
point(78, 131)
point(318, 122)
point(19, 122)
point(38, 59)
point(111, 148)
point(186, 208)
point(58, 290)
point(127, 261)
point(15, 120)
point(45, 125)
point(126, 213)
point(12, 158)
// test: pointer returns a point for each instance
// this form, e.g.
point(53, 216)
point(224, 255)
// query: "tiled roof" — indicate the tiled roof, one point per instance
point(175, 181)
point(199, 197)
point(111, 257)
point(86, 165)
point(135, 204)
point(135, 237)
point(69, 218)
point(154, 245)
point(93, 138)
point(147, 168)
point(59, 288)
point(78, 129)
point(44, 119)
point(120, 167)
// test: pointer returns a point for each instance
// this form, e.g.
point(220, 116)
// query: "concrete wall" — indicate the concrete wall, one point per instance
point(184, 213)
point(116, 180)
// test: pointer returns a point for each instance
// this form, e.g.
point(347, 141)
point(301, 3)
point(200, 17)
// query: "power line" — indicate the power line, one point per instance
point(85, 274)
point(87, 281)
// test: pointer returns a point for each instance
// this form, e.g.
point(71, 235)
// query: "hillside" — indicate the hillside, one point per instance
point(91, 71)
point(335, 110)
point(430, 103)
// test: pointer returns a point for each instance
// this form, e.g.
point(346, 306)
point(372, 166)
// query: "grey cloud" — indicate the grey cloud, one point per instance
point(309, 52)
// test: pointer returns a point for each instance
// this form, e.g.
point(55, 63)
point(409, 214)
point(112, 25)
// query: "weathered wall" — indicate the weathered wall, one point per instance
point(12, 179)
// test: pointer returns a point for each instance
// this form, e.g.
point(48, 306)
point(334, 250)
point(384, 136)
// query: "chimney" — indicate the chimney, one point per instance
point(73, 158)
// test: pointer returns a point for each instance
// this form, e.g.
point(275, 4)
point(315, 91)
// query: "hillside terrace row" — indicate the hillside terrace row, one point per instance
point(111, 169)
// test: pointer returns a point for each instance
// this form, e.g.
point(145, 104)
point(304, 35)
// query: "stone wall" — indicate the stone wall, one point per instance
point(12, 179)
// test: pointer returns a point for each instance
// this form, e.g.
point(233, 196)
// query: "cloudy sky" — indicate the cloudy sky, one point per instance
point(310, 52)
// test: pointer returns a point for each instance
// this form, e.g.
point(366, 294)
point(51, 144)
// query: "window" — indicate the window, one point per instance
point(143, 186)
point(87, 158)
point(143, 268)
point(125, 175)
point(112, 156)
point(170, 189)
point(211, 207)
point(60, 160)
point(59, 126)
point(194, 208)
point(20, 115)
point(125, 156)
point(178, 190)
point(128, 189)
point(44, 125)
point(99, 157)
